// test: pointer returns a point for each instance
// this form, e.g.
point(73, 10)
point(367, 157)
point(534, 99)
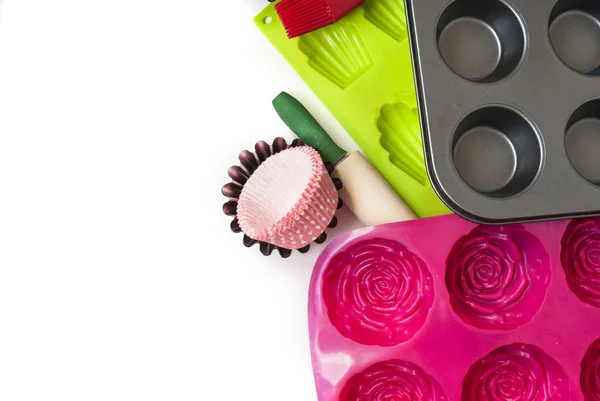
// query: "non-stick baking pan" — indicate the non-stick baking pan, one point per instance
point(509, 101)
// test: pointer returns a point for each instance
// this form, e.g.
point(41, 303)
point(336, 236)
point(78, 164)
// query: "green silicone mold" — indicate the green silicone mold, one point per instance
point(361, 70)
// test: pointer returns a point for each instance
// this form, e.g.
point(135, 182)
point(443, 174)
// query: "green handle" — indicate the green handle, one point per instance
point(303, 124)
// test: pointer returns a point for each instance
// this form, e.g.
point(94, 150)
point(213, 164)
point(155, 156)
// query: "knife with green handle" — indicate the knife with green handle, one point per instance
point(365, 191)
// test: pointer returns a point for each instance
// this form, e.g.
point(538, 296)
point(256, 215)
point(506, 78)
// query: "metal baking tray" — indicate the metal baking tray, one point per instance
point(509, 101)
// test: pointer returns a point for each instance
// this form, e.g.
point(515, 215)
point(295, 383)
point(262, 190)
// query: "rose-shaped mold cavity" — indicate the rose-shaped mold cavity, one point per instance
point(590, 373)
point(580, 259)
point(392, 380)
point(497, 277)
point(516, 372)
point(377, 292)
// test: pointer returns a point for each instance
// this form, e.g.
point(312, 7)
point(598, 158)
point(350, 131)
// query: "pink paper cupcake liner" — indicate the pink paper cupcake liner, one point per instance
point(283, 202)
point(289, 200)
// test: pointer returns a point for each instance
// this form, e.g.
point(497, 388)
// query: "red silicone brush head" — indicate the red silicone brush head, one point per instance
point(304, 16)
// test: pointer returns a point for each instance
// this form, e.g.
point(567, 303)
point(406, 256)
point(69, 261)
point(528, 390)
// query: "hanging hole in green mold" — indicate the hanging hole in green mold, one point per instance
point(267, 20)
point(400, 131)
point(337, 52)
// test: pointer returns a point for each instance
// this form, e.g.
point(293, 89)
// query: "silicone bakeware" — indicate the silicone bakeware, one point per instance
point(509, 94)
point(445, 309)
point(361, 69)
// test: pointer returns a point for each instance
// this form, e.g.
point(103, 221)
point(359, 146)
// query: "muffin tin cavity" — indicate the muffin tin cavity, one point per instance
point(481, 41)
point(377, 292)
point(580, 259)
point(399, 127)
point(582, 140)
point(497, 151)
point(516, 372)
point(387, 15)
point(590, 372)
point(497, 277)
point(337, 52)
point(575, 34)
point(390, 381)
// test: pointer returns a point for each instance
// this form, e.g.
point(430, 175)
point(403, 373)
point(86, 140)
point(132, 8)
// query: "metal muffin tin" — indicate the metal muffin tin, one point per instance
point(509, 99)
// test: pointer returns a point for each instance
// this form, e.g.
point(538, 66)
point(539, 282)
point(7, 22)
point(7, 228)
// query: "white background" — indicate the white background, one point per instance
point(119, 277)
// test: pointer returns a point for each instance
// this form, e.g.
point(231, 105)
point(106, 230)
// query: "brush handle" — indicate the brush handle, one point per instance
point(368, 194)
point(304, 125)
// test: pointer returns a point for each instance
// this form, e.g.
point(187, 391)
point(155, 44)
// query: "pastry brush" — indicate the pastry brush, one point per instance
point(365, 191)
point(303, 16)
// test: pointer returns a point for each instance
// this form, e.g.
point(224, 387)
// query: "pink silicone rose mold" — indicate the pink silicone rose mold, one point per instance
point(497, 277)
point(377, 292)
point(392, 380)
point(580, 259)
point(590, 373)
point(516, 372)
